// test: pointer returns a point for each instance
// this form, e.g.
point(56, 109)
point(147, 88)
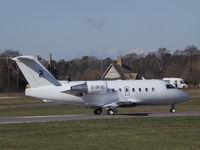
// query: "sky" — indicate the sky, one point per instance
point(102, 28)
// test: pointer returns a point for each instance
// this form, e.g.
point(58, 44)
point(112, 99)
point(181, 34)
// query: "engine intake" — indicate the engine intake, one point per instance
point(82, 88)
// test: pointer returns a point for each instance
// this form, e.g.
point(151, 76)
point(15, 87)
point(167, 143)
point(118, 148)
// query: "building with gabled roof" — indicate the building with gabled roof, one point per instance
point(119, 71)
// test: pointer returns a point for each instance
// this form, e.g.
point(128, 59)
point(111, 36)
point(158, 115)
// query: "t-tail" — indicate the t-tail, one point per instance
point(34, 72)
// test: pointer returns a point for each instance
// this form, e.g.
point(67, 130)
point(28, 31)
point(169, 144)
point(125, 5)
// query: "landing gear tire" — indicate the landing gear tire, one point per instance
point(98, 111)
point(172, 110)
point(111, 111)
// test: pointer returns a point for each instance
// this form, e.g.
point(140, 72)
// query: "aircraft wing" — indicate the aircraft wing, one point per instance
point(99, 95)
point(109, 98)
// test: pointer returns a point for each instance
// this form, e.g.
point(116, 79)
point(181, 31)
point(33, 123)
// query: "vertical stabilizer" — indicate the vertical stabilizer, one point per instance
point(34, 72)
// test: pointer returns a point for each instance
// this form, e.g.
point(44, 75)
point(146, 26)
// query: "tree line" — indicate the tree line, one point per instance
point(154, 65)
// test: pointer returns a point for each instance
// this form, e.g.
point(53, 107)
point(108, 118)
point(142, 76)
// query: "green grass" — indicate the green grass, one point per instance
point(44, 110)
point(19, 100)
point(138, 133)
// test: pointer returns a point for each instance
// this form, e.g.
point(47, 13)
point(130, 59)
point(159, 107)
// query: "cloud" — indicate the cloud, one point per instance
point(114, 52)
point(138, 50)
point(95, 23)
point(101, 53)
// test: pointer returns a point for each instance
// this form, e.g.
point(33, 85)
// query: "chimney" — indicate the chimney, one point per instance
point(50, 60)
point(38, 57)
point(119, 60)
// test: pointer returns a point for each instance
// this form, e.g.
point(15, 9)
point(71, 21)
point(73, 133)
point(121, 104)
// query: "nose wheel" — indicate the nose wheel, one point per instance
point(172, 109)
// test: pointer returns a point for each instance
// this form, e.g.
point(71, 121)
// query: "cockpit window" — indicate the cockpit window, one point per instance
point(169, 86)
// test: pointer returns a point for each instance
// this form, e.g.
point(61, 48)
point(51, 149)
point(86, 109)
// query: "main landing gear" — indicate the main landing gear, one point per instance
point(98, 111)
point(172, 109)
point(110, 111)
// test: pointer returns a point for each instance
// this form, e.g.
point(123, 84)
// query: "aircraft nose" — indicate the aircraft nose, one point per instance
point(184, 96)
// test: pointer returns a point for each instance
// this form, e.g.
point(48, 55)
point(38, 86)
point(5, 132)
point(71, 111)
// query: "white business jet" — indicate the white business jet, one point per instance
point(97, 94)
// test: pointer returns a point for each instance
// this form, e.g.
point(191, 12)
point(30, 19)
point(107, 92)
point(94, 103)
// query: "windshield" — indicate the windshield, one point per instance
point(182, 82)
point(169, 86)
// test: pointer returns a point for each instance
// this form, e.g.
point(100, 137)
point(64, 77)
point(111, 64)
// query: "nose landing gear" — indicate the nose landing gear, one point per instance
point(172, 109)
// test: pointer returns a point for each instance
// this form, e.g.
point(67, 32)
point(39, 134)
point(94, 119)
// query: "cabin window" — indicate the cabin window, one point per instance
point(153, 89)
point(146, 89)
point(127, 91)
point(140, 89)
point(133, 89)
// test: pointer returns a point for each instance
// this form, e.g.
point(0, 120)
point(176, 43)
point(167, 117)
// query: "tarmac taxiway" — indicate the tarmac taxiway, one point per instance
point(32, 119)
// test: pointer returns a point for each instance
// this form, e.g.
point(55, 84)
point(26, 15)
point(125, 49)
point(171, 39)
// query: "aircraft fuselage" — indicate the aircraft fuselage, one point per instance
point(139, 92)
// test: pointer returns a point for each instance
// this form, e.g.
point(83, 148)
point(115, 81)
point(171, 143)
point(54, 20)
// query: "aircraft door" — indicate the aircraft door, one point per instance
point(126, 91)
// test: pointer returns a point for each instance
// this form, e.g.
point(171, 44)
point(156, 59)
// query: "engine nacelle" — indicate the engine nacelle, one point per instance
point(90, 87)
point(96, 87)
